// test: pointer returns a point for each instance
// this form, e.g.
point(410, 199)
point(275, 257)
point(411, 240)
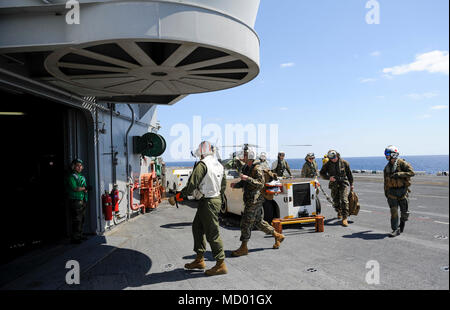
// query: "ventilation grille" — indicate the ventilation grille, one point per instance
point(127, 68)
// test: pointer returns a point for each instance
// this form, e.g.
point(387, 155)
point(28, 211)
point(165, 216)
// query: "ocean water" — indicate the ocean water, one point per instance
point(430, 164)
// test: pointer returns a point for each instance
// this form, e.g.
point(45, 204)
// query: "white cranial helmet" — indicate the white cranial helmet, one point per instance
point(205, 148)
point(392, 151)
point(263, 156)
point(251, 154)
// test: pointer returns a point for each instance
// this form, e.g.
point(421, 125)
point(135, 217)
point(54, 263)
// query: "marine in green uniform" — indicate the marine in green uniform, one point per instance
point(397, 175)
point(310, 168)
point(263, 161)
point(77, 191)
point(252, 181)
point(337, 171)
point(281, 165)
point(209, 178)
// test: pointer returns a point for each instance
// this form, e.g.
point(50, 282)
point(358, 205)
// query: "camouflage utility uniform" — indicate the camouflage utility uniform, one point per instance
point(396, 187)
point(310, 170)
point(340, 170)
point(253, 201)
point(264, 165)
point(281, 166)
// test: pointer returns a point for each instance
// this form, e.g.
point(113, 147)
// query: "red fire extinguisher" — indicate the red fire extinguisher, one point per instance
point(115, 199)
point(107, 206)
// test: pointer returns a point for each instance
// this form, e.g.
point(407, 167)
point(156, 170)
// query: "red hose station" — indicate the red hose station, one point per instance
point(150, 185)
point(150, 190)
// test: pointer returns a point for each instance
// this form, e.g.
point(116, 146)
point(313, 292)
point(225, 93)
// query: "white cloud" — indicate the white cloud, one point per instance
point(424, 116)
point(287, 65)
point(427, 95)
point(375, 54)
point(439, 107)
point(283, 108)
point(367, 80)
point(433, 62)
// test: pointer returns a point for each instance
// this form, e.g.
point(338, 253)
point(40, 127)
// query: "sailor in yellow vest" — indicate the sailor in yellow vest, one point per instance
point(397, 175)
point(209, 179)
point(325, 159)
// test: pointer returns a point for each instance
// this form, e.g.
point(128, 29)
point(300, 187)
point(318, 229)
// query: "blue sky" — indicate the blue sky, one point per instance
point(331, 80)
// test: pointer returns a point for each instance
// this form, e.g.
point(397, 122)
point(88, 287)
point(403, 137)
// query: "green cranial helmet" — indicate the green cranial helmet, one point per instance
point(76, 161)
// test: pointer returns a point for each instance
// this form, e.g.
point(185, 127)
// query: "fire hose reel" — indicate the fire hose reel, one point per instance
point(150, 144)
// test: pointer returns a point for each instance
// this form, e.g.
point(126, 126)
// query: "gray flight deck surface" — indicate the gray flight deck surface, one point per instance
point(149, 252)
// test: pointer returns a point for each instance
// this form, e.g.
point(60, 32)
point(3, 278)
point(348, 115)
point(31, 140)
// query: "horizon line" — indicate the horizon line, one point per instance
point(180, 161)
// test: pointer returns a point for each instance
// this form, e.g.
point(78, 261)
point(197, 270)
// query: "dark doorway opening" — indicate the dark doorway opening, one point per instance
point(32, 193)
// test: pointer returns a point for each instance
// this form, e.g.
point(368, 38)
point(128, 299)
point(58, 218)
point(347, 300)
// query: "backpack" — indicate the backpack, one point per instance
point(353, 203)
point(269, 176)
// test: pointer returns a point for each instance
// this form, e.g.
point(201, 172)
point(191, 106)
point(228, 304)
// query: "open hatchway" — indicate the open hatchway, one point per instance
point(38, 139)
point(171, 49)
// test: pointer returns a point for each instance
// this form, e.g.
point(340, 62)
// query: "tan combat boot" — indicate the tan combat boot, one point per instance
point(278, 239)
point(198, 263)
point(219, 268)
point(243, 250)
point(344, 222)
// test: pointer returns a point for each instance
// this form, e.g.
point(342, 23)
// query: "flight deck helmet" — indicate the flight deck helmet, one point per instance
point(332, 154)
point(263, 156)
point(205, 148)
point(310, 155)
point(251, 154)
point(392, 151)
